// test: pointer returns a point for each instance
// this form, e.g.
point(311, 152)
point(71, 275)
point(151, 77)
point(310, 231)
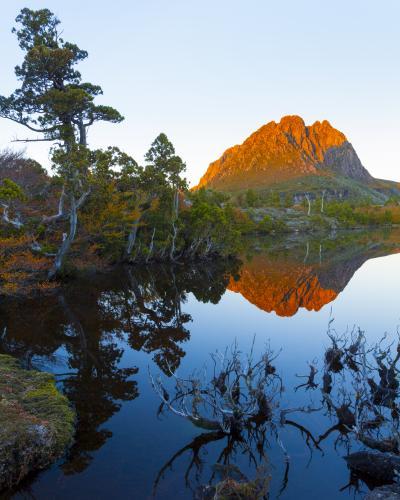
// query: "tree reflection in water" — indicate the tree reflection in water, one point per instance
point(83, 332)
point(239, 402)
point(83, 327)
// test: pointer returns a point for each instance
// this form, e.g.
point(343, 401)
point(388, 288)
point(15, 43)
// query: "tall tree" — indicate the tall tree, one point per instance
point(54, 102)
point(162, 159)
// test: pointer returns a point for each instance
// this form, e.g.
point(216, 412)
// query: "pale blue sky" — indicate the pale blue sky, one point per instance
point(209, 72)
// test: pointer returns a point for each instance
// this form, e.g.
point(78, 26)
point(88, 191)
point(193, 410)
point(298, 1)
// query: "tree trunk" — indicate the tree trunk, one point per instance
point(174, 220)
point(67, 239)
point(14, 222)
point(322, 201)
point(307, 252)
point(82, 134)
point(132, 237)
point(174, 234)
point(60, 213)
point(151, 245)
point(309, 204)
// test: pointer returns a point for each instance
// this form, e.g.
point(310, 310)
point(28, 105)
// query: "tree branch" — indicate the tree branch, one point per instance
point(34, 140)
point(14, 222)
point(20, 122)
point(60, 214)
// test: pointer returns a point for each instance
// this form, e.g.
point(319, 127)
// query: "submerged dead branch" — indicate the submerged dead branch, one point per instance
point(237, 401)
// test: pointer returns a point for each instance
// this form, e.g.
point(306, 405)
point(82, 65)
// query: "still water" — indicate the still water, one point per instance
point(102, 336)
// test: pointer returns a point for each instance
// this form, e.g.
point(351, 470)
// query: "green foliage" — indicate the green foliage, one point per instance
point(269, 225)
point(211, 227)
point(210, 196)
point(274, 199)
point(153, 205)
point(350, 216)
point(72, 164)
point(288, 200)
point(10, 190)
point(392, 201)
point(318, 221)
point(252, 198)
point(162, 160)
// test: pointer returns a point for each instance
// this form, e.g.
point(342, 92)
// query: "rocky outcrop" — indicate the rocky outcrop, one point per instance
point(380, 467)
point(36, 422)
point(343, 160)
point(281, 151)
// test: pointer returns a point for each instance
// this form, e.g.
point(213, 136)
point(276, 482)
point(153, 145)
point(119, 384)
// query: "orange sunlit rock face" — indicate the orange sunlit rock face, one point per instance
point(281, 286)
point(282, 151)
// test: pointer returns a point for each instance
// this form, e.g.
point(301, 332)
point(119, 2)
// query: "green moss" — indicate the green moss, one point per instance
point(36, 421)
point(229, 489)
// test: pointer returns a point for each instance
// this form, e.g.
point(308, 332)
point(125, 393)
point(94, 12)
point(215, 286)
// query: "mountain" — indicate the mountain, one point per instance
point(281, 152)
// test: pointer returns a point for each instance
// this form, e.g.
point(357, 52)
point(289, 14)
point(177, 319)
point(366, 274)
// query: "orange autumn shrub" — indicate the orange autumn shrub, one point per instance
point(21, 270)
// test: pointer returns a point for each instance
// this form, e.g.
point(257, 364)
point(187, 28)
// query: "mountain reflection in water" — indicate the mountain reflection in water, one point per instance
point(304, 273)
point(83, 332)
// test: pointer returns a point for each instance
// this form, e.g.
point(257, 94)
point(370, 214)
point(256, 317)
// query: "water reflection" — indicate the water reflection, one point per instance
point(83, 332)
point(307, 273)
point(84, 322)
point(148, 308)
point(240, 403)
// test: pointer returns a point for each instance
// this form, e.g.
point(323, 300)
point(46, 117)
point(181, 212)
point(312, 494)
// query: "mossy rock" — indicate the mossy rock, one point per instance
point(235, 485)
point(229, 489)
point(36, 421)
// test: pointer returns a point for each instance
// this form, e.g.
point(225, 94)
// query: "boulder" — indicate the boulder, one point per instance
point(36, 421)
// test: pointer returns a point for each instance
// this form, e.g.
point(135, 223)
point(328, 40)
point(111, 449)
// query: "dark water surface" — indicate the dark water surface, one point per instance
point(101, 335)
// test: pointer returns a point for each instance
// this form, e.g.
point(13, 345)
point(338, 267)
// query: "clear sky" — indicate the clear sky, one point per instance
point(210, 72)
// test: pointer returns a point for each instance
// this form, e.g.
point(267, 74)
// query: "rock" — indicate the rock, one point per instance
point(382, 467)
point(234, 485)
point(388, 492)
point(36, 421)
point(229, 489)
point(279, 152)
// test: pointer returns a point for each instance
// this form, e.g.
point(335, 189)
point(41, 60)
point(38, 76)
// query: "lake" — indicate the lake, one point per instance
point(104, 334)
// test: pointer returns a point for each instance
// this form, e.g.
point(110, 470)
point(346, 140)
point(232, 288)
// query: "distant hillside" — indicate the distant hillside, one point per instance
point(279, 153)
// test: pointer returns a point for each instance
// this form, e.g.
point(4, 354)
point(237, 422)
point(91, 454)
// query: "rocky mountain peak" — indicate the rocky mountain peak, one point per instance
point(281, 151)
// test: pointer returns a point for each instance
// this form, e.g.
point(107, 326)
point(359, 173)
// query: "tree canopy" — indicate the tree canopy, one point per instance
point(52, 99)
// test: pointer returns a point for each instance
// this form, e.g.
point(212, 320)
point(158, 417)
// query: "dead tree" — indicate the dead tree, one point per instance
point(237, 403)
point(360, 389)
point(310, 383)
point(322, 200)
point(307, 197)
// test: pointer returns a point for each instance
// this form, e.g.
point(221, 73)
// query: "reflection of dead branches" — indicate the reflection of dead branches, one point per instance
point(238, 403)
point(240, 393)
point(310, 383)
point(195, 447)
point(360, 389)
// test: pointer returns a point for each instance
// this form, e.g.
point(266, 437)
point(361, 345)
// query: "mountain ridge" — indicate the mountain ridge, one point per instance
point(286, 150)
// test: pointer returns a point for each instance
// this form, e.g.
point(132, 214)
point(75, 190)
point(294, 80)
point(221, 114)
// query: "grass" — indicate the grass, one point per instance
point(36, 421)
point(352, 190)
